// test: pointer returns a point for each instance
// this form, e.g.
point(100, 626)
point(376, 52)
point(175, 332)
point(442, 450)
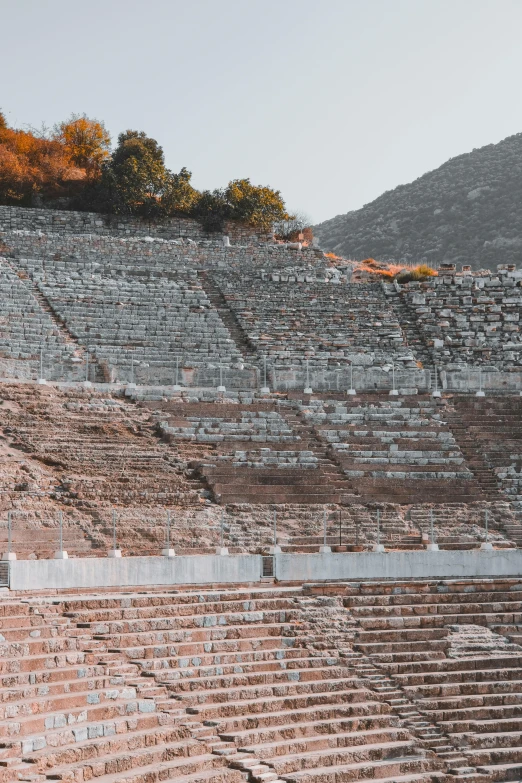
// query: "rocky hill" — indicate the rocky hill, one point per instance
point(468, 211)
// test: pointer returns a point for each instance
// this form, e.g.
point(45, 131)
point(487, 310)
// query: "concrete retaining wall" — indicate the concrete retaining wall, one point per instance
point(93, 572)
point(398, 565)
point(284, 378)
point(473, 380)
point(210, 569)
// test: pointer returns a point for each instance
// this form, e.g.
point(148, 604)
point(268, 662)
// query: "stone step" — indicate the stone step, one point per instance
point(87, 730)
point(358, 741)
point(409, 768)
point(328, 704)
point(236, 680)
point(101, 710)
point(150, 658)
point(285, 690)
point(178, 769)
point(302, 728)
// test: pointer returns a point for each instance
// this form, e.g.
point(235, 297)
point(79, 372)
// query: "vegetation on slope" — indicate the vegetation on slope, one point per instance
point(468, 211)
point(72, 166)
point(403, 273)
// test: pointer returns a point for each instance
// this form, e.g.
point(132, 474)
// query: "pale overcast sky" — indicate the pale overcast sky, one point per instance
point(330, 101)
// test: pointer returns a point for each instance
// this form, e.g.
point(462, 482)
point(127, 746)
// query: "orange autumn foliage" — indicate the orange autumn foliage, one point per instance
point(391, 271)
point(86, 142)
point(31, 165)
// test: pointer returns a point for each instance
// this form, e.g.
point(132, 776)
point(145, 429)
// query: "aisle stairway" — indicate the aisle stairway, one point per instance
point(297, 471)
point(413, 336)
point(228, 317)
point(489, 429)
point(476, 459)
point(452, 649)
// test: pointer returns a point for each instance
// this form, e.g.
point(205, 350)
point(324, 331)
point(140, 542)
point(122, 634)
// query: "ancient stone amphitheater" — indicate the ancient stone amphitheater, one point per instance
point(260, 519)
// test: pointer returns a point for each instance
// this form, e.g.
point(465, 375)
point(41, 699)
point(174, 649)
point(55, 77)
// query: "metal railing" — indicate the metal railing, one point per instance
point(276, 376)
point(473, 380)
point(348, 378)
point(115, 530)
point(174, 531)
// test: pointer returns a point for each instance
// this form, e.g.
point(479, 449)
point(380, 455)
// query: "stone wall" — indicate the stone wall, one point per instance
point(68, 222)
point(154, 254)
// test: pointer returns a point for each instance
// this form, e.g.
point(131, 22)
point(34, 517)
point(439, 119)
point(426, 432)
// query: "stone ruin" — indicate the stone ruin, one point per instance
point(162, 388)
point(413, 681)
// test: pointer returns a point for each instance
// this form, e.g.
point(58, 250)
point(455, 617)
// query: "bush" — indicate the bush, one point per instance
point(134, 180)
point(296, 229)
point(179, 196)
point(211, 210)
point(415, 274)
point(257, 206)
point(423, 270)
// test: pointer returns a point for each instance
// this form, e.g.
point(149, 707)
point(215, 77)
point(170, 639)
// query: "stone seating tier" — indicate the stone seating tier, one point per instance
point(286, 308)
point(394, 450)
point(84, 453)
point(25, 328)
point(139, 323)
point(74, 711)
point(233, 662)
point(247, 426)
point(310, 321)
point(400, 680)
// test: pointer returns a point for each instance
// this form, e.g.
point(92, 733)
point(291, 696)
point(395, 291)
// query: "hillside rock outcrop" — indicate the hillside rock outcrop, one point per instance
point(468, 211)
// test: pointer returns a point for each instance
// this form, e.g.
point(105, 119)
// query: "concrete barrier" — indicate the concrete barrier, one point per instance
point(90, 572)
point(398, 565)
point(473, 380)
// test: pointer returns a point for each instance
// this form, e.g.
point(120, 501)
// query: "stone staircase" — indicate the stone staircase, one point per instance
point(277, 480)
point(474, 457)
point(413, 336)
point(228, 317)
point(452, 651)
point(491, 433)
point(93, 370)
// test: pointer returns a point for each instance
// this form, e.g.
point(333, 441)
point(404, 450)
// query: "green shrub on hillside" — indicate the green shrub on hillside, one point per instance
point(256, 206)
